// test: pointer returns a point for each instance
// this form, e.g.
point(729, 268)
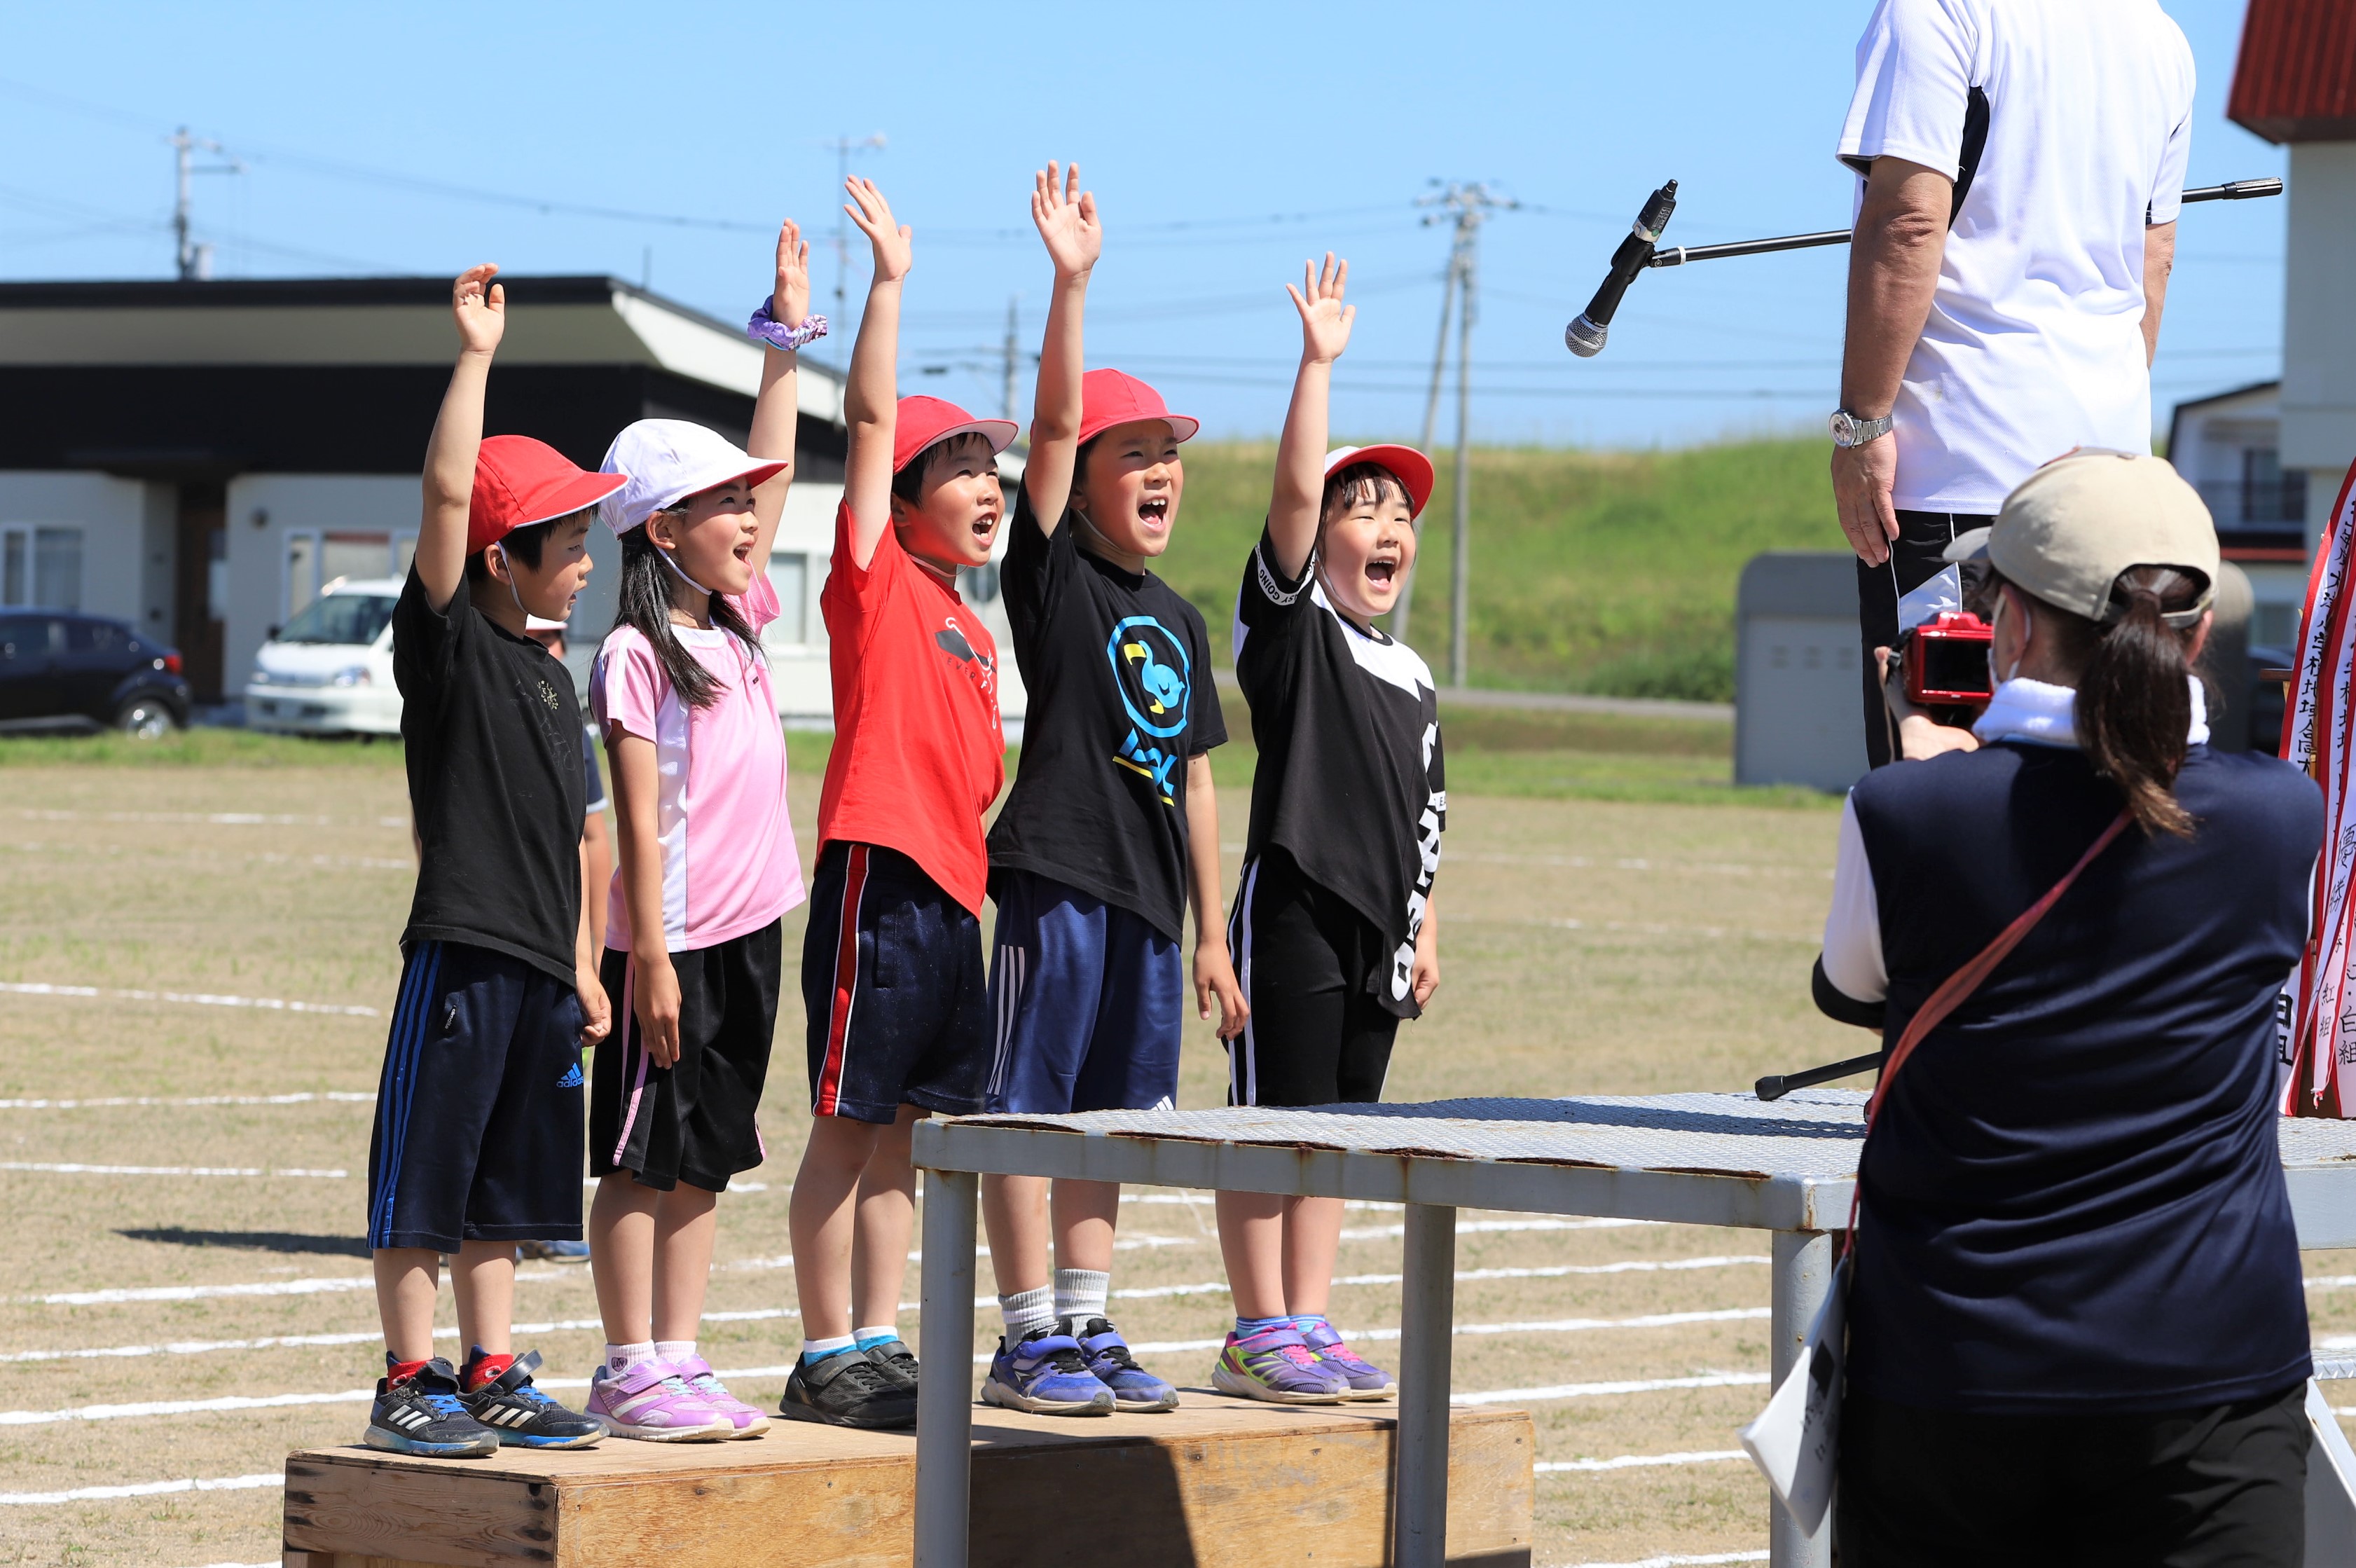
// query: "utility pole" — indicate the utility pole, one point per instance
point(1406, 605)
point(843, 148)
point(195, 258)
point(1009, 352)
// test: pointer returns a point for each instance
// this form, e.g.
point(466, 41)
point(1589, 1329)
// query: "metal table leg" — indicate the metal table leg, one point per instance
point(1803, 1272)
point(945, 1388)
point(1427, 1321)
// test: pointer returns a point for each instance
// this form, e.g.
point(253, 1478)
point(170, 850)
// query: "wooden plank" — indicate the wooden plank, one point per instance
point(340, 1502)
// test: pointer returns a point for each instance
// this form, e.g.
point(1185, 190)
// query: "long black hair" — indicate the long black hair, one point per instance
point(644, 605)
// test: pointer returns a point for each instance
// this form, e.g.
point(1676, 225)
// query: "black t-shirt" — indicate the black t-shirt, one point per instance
point(1350, 781)
point(492, 731)
point(1118, 666)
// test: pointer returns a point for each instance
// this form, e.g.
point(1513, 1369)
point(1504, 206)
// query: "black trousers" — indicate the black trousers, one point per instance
point(2220, 1487)
point(1914, 559)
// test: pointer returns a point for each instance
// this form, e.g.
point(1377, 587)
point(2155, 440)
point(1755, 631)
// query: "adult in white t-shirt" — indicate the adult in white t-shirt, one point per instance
point(2022, 162)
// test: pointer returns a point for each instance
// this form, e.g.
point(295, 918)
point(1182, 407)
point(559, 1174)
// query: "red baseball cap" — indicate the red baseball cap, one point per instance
point(1410, 468)
point(519, 481)
point(1110, 397)
point(922, 420)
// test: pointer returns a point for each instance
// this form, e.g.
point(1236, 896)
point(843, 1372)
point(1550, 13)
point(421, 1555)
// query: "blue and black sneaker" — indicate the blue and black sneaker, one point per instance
point(422, 1414)
point(1046, 1374)
point(1134, 1388)
point(516, 1412)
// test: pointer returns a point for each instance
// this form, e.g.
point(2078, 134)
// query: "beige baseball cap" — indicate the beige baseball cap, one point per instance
point(2070, 529)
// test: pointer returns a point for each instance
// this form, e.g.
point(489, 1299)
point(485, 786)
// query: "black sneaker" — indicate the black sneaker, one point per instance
point(424, 1415)
point(847, 1389)
point(514, 1412)
point(896, 1361)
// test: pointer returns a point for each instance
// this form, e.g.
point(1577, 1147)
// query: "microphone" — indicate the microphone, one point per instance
point(1585, 336)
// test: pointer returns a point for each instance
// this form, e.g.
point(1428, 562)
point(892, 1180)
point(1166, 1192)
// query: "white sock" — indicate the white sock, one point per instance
point(1026, 1310)
point(621, 1358)
point(1080, 1292)
point(819, 1349)
point(871, 1336)
point(674, 1350)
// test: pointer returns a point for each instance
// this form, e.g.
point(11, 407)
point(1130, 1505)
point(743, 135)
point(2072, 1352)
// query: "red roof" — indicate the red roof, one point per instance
point(2295, 80)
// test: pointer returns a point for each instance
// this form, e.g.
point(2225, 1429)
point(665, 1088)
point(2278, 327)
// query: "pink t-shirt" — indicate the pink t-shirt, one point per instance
point(729, 865)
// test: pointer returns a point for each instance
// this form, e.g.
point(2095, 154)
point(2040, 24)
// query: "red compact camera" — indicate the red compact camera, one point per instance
point(1946, 662)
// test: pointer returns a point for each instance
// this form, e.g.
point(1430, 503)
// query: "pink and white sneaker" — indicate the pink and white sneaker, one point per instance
point(697, 1374)
point(652, 1402)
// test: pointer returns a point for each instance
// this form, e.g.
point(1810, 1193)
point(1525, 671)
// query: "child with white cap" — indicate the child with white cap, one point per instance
point(707, 870)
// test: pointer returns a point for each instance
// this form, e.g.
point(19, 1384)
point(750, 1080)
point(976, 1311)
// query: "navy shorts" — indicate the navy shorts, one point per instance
point(693, 1121)
point(893, 986)
point(1090, 1001)
point(478, 1134)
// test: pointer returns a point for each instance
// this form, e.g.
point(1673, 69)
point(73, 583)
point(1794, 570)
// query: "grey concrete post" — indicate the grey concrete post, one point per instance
point(1802, 1269)
point(1427, 1322)
point(945, 1387)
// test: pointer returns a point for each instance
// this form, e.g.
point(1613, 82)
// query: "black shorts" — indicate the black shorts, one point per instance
point(1928, 1488)
point(894, 990)
point(693, 1121)
point(477, 1134)
point(1308, 964)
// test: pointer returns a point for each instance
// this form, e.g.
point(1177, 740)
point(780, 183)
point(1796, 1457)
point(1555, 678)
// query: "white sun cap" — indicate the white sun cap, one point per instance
point(669, 460)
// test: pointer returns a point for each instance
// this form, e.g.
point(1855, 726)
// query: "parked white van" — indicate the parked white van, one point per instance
point(329, 670)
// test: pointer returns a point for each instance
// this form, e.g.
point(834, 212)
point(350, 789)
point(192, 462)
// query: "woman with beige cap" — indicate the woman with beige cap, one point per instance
point(2077, 1331)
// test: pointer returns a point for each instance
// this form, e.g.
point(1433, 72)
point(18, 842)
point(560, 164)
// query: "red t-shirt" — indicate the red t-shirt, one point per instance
point(918, 752)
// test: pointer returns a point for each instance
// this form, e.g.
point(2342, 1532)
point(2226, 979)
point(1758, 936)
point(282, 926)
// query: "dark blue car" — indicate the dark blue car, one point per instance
point(63, 671)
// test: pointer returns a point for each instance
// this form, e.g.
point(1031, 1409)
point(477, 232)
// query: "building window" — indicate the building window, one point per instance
point(40, 565)
point(343, 556)
point(2273, 626)
point(2269, 495)
point(789, 575)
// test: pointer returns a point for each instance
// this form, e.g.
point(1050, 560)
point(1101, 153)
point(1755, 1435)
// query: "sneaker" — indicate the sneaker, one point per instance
point(895, 1361)
point(1134, 1388)
point(1276, 1365)
point(1046, 1373)
point(650, 1402)
point(521, 1414)
point(846, 1388)
point(425, 1416)
point(555, 1251)
point(697, 1374)
point(1367, 1380)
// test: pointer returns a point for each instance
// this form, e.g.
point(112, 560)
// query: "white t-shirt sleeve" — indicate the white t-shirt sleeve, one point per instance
point(1852, 956)
point(1913, 84)
point(2168, 185)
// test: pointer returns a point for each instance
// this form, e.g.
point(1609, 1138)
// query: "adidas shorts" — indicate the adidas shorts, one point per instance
point(477, 1134)
point(1309, 964)
point(1090, 1001)
point(694, 1121)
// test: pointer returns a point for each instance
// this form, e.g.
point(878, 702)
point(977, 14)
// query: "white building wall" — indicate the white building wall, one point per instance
point(2318, 389)
point(110, 517)
point(347, 524)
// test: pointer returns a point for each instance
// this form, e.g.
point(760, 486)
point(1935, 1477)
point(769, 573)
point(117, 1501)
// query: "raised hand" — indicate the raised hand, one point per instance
point(1066, 216)
point(1324, 320)
point(480, 306)
point(789, 301)
point(894, 253)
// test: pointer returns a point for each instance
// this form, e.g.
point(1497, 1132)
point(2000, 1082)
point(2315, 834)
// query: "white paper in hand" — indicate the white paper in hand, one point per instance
point(1796, 1438)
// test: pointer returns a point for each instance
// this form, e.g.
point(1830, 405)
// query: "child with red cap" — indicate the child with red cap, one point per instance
point(476, 1145)
point(893, 978)
point(708, 869)
point(1333, 927)
point(1111, 828)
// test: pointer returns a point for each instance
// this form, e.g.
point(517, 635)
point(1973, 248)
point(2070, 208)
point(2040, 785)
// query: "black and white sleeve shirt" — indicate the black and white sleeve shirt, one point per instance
point(1350, 781)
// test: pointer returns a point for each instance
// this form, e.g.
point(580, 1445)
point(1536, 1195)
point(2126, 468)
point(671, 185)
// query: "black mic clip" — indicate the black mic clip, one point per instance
point(1585, 336)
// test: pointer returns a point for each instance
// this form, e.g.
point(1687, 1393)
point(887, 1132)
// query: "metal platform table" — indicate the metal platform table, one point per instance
point(1786, 1167)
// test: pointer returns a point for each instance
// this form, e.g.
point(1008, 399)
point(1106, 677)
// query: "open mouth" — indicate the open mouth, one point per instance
point(986, 526)
point(1382, 574)
point(1154, 512)
point(744, 551)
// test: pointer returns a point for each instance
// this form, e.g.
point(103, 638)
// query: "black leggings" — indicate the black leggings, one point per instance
point(1307, 961)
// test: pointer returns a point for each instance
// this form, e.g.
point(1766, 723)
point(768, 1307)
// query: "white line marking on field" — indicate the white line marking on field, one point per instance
point(351, 1097)
point(367, 1336)
point(1680, 1561)
point(2331, 1282)
point(1590, 1391)
point(56, 1167)
point(1647, 927)
point(143, 1490)
point(1643, 1461)
point(193, 998)
point(321, 1286)
point(217, 819)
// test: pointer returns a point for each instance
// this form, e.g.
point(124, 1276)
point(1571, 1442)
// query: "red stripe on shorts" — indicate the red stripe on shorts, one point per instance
point(846, 983)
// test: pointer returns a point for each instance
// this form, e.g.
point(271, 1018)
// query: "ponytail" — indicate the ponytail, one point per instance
point(2134, 691)
point(645, 605)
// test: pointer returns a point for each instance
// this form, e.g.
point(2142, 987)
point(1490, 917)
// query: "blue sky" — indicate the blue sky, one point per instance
point(1225, 142)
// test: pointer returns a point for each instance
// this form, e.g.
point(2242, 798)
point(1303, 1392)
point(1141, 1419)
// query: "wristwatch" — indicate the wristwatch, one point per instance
point(1849, 430)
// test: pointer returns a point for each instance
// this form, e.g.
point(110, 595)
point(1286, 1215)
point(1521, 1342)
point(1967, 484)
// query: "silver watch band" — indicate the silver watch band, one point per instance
point(1849, 430)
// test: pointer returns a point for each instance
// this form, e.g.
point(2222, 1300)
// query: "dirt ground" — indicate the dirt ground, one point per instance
point(1587, 946)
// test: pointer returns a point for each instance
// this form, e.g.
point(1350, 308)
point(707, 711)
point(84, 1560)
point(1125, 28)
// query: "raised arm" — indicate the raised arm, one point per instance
point(776, 413)
point(1066, 216)
point(1300, 454)
point(871, 398)
point(480, 307)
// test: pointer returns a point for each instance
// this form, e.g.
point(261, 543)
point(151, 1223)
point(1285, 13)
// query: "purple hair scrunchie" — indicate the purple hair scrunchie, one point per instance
point(768, 329)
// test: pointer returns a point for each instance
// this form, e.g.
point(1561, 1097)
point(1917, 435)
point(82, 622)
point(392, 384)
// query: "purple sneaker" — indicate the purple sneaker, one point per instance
point(652, 1402)
point(1134, 1388)
point(1365, 1381)
point(1276, 1365)
point(697, 1374)
point(1046, 1373)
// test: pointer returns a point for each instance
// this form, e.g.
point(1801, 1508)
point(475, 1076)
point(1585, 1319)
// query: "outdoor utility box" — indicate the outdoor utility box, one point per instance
point(1798, 690)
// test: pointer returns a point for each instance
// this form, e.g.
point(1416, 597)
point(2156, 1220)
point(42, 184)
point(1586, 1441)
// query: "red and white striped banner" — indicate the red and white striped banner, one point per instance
point(2318, 1035)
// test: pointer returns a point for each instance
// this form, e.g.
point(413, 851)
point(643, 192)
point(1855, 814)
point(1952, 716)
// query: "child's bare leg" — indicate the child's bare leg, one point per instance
point(406, 1280)
point(822, 1216)
point(886, 1217)
point(687, 1219)
point(622, 1257)
point(1015, 1213)
point(483, 1275)
point(1085, 1215)
point(1252, 1241)
point(1312, 1239)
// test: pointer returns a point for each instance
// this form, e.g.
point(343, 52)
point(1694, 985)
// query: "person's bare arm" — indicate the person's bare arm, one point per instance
point(870, 395)
point(655, 986)
point(1425, 978)
point(1300, 490)
point(2158, 261)
point(480, 307)
point(1893, 273)
point(1067, 219)
point(598, 876)
point(596, 1013)
point(1214, 969)
point(776, 413)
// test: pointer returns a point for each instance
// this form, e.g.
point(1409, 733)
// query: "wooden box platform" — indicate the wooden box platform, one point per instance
point(1219, 1483)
